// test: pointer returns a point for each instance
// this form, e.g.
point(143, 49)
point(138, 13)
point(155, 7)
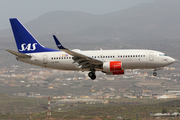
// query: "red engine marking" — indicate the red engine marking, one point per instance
point(115, 66)
point(118, 72)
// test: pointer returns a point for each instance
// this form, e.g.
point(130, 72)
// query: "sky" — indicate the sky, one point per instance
point(26, 10)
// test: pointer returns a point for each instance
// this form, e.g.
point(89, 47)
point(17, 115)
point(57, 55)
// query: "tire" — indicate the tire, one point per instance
point(154, 73)
point(92, 75)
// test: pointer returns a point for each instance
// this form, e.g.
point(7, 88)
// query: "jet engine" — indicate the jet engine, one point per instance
point(113, 68)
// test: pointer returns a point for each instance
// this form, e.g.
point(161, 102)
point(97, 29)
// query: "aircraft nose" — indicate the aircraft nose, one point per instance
point(171, 60)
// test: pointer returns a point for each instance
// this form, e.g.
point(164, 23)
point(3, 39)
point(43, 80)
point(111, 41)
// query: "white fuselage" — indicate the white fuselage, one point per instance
point(131, 59)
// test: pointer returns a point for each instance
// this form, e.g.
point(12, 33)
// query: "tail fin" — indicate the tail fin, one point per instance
point(25, 42)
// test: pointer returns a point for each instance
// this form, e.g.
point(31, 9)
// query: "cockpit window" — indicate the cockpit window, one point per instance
point(162, 55)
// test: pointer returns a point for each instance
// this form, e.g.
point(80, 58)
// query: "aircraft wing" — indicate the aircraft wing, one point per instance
point(19, 54)
point(84, 61)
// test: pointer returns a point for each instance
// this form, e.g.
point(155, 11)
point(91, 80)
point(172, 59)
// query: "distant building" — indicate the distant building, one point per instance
point(172, 68)
point(145, 74)
point(166, 96)
point(21, 94)
point(146, 94)
point(50, 87)
point(85, 97)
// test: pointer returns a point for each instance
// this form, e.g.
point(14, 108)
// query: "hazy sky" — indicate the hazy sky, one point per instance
point(27, 10)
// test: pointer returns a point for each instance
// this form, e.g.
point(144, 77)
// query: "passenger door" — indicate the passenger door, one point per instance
point(151, 56)
point(45, 61)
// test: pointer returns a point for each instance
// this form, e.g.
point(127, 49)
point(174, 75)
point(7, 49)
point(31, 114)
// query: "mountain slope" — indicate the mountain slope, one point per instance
point(159, 19)
point(154, 25)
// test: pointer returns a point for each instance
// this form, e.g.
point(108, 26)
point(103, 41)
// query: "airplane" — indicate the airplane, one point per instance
point(110, 62)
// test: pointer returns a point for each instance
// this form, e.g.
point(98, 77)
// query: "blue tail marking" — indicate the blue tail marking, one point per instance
point(25, 42)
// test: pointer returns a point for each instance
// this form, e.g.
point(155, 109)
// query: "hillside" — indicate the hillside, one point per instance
point(18, 105)
point(157, 19)
point(82, 111)
point(154, 25)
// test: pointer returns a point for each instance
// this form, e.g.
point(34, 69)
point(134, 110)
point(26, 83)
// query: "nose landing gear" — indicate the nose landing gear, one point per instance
point(155, 73)
point(92, 74)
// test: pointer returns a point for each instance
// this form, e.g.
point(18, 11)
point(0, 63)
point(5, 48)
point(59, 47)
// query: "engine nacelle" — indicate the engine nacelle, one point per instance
point(115, 73)
point(113, 68)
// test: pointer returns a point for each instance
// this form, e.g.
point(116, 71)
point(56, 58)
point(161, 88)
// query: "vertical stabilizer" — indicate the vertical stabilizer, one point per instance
point(25, 42)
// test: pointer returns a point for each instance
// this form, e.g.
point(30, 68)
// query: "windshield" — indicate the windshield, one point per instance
point(162, 54)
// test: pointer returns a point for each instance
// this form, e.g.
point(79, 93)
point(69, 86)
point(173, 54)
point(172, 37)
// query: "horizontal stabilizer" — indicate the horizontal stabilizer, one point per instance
point(18, 54)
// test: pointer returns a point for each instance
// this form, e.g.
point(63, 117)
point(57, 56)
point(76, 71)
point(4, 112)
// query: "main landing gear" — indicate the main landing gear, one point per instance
point(155, 73)
point(92, 75)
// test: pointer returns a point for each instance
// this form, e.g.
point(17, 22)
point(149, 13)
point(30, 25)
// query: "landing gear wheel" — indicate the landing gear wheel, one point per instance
point(154, 73)
point(92, 75)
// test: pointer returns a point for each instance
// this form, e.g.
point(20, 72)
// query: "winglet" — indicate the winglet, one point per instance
point(59, 45)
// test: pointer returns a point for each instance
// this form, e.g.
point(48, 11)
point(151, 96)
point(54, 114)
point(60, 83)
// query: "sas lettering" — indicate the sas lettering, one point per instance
point(28, 47)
